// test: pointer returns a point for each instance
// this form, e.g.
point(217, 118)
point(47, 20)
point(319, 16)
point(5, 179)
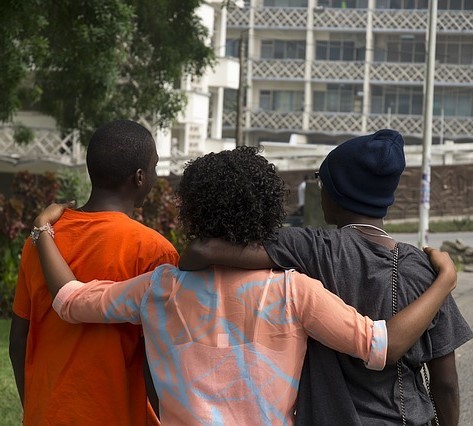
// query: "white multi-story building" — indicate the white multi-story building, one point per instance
point(327, 69)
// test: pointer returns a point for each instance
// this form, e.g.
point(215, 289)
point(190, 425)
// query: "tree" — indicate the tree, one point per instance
point(85, 62)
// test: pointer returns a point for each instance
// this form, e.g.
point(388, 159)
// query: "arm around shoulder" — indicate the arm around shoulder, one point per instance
point(214, 251)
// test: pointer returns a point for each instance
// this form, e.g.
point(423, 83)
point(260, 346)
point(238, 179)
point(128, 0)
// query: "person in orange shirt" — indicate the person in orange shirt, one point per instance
point(91, 374)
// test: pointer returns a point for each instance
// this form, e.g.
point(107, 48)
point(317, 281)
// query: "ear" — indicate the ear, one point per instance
point(139, 178)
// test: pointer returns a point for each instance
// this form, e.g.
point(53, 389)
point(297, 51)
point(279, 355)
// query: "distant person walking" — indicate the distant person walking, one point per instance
point(301, 189)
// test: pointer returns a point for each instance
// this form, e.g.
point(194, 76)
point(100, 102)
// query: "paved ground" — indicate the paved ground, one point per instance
point(436, 239)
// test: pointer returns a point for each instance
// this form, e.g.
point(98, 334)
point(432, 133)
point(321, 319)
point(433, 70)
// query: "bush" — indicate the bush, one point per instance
point(30, 194)
point(160, 213)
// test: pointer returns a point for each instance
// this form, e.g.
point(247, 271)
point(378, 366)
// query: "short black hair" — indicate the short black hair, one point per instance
point(236, 195)
point(116, 150)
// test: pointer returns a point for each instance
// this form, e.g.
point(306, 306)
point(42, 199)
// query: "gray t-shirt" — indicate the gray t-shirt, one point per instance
point(336, 389)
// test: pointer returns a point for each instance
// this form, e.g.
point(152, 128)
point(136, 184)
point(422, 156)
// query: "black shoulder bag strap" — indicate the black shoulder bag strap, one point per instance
point(394, 286)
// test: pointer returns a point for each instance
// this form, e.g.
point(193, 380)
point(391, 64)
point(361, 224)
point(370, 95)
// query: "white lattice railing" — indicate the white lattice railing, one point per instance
point(335, 123)
point(411, 125)
point(392, 20)
point(279, 69)
point(277, 120)
point(351, 123)
point(408, 72)
point(400, 20)
point(337, 70)
point(340, 19)
point(398, 72)
point(229, 119)
point(281, 17)
point(455, 21)
point(47, 145)
point(237, 17)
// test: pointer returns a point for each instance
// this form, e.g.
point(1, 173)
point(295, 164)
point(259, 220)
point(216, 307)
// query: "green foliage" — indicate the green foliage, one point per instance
point(10, 406)
point(87, 62)
point(22, 135)
point(160, 213)
point(73, 185)
point(30, 194)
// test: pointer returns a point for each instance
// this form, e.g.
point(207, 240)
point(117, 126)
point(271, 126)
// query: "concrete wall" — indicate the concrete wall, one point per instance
point(451, 192)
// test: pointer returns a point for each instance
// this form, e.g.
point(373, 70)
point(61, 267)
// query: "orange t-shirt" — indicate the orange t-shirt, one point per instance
point(87, 374)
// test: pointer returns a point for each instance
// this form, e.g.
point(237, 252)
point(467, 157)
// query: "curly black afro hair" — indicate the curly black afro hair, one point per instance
point(235, 195)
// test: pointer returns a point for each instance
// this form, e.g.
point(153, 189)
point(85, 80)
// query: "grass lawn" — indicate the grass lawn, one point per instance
point(10, 406)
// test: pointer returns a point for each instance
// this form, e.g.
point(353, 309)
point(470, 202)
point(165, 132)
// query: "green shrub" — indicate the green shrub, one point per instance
point(160, 213)
point(30, 194)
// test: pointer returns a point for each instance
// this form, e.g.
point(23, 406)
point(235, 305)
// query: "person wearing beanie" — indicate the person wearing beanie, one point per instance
point(357, 261)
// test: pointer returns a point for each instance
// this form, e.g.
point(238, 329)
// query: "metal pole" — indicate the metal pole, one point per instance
point(424, 202)
point(240, 94)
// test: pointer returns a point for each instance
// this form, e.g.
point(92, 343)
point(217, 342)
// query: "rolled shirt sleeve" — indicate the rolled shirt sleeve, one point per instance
point(101, 301)
point(328, 319)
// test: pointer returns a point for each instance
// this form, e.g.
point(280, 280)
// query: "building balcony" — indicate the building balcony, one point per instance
point(281, 17)
point(414, 73)
point(411, 125)
point(338, 71)
point(238, 18)
point(277, 121)
point(278, 69)
point(385, 20)
point(333, 19)
point(353, 72)
point(226, 74)
point(332, 123)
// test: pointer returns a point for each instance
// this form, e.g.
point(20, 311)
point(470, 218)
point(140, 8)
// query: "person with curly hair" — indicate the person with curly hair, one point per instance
point(357, 261)
point(226, 345)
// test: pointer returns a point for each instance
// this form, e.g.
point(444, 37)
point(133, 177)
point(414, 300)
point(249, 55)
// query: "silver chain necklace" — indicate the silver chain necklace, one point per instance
point(359, 227)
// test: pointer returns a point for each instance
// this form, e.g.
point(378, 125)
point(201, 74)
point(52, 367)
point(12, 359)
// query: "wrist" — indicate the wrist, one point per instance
point(38, 230)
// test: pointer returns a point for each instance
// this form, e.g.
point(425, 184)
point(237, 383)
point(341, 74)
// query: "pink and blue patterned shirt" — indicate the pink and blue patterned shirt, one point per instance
point(226, 346)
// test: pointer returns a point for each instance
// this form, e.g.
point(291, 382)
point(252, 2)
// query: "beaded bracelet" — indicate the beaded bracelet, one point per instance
point(36, 232)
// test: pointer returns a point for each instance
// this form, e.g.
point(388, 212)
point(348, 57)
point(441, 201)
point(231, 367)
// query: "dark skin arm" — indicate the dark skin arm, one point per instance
point(202, 253)
point(18, 337)
point(444, 388)
point(404, 329)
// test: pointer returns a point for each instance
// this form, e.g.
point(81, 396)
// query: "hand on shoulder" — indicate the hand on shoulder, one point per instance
point(52, 213)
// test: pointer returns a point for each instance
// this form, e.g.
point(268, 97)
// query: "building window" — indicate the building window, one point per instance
point(334, 50)
point(403, 4)
point(285, 3)
point(344, 4)
point(230, 99)
point(454, 50)
point(406, 49)
point(283, 49)
point(456, 103)
point(455, 5)
point(396, 100)
point(281, 100)
point(231, 47)
point(336, 98)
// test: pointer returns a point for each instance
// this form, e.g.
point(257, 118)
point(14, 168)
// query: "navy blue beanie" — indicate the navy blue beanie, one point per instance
point(362, 174)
